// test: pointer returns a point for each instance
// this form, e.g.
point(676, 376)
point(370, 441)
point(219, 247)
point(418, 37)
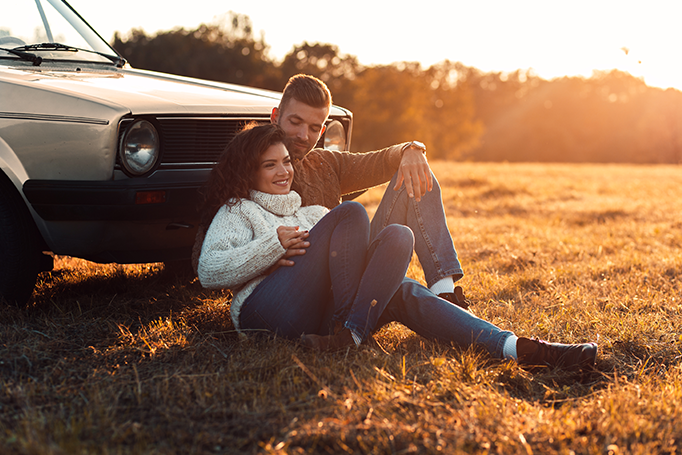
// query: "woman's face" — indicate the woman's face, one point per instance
point(275, 172)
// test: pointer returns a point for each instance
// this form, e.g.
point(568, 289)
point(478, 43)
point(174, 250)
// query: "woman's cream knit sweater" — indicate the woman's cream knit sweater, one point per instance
point(242, 243)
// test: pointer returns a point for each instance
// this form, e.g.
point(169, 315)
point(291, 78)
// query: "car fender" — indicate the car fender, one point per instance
point(58, 134)
point(11, 166)
point(14, 170)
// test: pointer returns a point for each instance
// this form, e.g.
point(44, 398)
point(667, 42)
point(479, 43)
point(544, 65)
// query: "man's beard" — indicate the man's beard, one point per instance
point(297, 150)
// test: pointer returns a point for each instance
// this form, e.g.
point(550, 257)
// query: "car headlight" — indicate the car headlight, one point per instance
point(140, 147)
point(335, 136)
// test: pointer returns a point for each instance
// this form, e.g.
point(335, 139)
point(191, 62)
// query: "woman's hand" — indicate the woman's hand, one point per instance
point(294, 241)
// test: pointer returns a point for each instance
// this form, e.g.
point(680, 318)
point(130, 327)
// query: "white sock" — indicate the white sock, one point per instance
point(356, 338)
point(509, 348)
point(446, 284)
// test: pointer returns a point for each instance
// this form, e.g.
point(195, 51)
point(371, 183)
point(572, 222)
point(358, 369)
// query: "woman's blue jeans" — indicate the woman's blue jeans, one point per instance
point(416, 307)
point(341, 277)
point(426, 218)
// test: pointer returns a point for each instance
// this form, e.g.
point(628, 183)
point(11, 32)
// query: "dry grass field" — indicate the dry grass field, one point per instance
point(112, 359)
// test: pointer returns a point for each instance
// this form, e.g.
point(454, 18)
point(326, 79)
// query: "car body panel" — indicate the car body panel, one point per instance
point(55, 134)
point(147, 92)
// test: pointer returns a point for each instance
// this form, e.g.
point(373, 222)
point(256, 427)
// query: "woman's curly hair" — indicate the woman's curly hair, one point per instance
point(232, 178)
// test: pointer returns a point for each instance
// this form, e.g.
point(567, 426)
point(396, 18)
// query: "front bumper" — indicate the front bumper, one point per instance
point(105, 221)
point(118, 200)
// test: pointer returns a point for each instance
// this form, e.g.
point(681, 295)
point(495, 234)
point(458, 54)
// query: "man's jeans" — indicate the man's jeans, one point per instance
point(426, 218)
point(364, 276)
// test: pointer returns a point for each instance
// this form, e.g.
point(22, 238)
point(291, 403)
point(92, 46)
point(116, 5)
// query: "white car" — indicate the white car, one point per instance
point(99, 160)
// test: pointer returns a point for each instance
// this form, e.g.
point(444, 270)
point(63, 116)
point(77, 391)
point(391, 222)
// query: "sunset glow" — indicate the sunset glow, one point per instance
point(552, 38)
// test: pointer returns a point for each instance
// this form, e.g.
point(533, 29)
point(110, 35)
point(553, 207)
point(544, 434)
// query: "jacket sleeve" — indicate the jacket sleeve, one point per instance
point(237, 248)
point(360, 171)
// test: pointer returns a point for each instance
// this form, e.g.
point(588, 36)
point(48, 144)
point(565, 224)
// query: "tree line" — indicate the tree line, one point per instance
point(460, 112)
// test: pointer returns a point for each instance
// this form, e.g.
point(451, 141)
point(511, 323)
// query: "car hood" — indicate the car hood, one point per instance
point(145, 92)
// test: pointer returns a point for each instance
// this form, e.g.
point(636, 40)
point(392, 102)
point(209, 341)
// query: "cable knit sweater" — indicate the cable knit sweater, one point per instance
point(242, 242)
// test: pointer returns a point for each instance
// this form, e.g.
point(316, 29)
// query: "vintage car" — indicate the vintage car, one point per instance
point(99, 160)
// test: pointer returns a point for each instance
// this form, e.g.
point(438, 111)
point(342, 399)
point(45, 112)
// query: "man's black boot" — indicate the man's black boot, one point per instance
point(538, 353)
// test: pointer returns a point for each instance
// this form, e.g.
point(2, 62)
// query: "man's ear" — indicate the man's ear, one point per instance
point(274, 115)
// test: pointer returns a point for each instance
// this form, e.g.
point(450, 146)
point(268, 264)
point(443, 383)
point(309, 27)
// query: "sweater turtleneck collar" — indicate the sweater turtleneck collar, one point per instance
point(279, 204)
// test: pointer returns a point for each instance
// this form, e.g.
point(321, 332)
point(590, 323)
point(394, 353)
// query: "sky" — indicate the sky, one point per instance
point(552, 38)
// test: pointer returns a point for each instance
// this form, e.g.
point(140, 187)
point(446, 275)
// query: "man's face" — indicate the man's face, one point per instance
point(303, 125)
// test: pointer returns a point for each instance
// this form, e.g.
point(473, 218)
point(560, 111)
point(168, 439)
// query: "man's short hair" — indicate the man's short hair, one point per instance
point(308, 90)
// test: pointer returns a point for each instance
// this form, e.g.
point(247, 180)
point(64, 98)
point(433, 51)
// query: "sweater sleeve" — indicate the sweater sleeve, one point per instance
point(314, 213)
point(237, 248)
point(360, 171)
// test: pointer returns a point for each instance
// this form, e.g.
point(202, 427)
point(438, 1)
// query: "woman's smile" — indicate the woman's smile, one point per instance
point(275, 171)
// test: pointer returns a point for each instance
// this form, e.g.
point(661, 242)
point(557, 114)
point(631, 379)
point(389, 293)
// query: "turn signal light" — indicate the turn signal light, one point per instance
point(150, 197)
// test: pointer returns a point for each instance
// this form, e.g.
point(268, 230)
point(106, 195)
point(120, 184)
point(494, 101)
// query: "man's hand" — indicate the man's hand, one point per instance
point(294, 242)
point(414, 170)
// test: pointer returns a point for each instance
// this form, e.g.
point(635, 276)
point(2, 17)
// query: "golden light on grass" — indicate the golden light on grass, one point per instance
point(132, 359)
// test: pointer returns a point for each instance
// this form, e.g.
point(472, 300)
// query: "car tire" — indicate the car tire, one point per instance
point(20, 255)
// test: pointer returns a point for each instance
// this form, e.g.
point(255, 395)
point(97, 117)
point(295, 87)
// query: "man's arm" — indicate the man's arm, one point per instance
point(360, 171)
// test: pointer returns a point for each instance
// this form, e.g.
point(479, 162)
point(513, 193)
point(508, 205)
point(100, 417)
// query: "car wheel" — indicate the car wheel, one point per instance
point(20, 255)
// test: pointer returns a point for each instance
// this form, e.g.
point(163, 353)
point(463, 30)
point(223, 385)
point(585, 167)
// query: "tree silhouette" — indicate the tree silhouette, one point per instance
point(402, 102)
point(225, 51)
point(458, 111)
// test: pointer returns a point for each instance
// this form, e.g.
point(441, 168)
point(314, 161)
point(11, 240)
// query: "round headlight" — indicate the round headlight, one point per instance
point(140, 148)
point(335, 136)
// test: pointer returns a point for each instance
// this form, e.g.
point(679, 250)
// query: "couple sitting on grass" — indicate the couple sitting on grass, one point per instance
point(305, 266)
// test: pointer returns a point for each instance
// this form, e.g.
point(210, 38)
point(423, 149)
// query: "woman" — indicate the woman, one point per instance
point(256, 221)
point(257, 224)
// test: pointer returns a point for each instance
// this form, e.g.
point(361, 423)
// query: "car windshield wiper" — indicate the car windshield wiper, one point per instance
point(118, 61)
point(47, 46)
point(24, 55)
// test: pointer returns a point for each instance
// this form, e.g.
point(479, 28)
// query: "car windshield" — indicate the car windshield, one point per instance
point(42, 31)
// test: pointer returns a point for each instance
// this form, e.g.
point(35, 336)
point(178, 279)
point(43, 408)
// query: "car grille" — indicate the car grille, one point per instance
point(197, 140)
point(194, 142)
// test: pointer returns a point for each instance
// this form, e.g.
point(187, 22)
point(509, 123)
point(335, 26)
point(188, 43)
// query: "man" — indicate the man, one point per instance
point(323, 177)
point(413, 198)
